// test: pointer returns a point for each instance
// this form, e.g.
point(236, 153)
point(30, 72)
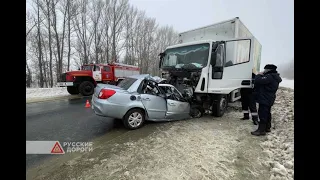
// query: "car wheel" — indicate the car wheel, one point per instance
point(219, 107)
point(72, 90)
point(134, 119)
point(86, 88)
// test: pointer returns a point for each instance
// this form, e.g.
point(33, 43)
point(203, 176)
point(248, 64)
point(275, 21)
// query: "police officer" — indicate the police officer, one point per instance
point(266, 86)
point(248, 102)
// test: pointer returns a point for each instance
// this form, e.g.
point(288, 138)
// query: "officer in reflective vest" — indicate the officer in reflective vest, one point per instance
point(248, 102)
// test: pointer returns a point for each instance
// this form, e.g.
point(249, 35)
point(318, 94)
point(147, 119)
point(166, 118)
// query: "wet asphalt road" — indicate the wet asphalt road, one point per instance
point(62, 120)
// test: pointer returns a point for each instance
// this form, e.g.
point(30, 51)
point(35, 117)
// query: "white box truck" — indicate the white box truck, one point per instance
point(213, 63)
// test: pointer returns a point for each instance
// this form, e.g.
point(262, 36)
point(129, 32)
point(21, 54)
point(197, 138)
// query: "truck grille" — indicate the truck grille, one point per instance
point(63, 77)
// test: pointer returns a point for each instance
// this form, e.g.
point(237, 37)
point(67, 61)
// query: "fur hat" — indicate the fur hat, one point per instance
point(270, 66)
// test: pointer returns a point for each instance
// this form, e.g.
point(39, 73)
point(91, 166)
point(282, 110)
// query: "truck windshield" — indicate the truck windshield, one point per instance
point(87, 67)
point(196, 55)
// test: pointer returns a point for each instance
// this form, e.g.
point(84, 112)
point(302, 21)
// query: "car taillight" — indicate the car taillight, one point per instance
point(106, 93)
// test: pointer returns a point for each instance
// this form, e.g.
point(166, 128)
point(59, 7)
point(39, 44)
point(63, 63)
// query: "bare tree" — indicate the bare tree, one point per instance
point(106, 25)
point(118, 10)
point(81, 25)
point(39, 45)
point(96, 16)
point(46, 9)
point(130, 18)
point(71, 10)
point(62, 33)
point(30, 22)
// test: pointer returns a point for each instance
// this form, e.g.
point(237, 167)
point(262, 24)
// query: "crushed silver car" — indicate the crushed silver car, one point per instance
point(139, 98)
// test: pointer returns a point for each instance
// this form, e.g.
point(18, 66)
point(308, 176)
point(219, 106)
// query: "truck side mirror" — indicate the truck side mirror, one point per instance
point(160, 62)
point(78, 69)
point(161, 59)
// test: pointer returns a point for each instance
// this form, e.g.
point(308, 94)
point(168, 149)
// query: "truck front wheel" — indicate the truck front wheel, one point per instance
point(86, 88)
point(219, 107)
point(72, 90)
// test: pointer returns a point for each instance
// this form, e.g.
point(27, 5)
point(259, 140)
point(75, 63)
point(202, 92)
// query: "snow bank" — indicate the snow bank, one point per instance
point(43, 93)
point(280, 142)
point(289, 83)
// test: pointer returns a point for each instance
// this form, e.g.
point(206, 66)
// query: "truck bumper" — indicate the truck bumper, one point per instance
point(63, 84)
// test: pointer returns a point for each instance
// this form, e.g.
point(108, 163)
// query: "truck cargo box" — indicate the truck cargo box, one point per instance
point(226, 30)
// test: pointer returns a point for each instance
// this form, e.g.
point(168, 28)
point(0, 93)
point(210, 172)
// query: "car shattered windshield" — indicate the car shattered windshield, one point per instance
point(196, 55)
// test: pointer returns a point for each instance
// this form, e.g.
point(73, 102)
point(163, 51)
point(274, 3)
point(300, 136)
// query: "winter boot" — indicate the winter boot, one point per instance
point(268, 127)
point(255, 120)
point(245, 116)
point(261, 131)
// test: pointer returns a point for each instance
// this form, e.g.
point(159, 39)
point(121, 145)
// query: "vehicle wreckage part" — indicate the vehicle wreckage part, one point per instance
point(134, 119)
point(196, 111)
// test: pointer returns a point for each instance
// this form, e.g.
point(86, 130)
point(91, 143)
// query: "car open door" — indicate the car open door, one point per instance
point(155, 105)
point(177, 107)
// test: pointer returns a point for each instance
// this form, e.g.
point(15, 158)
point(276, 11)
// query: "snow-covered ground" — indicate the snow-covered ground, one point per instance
point(205, 148)
point(45, 93)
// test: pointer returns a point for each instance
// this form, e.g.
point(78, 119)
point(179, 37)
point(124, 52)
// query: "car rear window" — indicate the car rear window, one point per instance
point(126, 83)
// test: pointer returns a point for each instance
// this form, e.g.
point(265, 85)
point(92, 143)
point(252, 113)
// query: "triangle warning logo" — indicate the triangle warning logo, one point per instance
point(57, 149)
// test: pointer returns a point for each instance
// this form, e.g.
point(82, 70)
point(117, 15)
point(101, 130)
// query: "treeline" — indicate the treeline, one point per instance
point(286, 70)
point(62, 34)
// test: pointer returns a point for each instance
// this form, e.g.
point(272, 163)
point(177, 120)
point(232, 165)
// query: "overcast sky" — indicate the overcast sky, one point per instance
point(270, 21)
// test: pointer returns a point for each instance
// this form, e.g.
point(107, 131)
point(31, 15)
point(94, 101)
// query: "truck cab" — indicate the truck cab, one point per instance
point(100, 72)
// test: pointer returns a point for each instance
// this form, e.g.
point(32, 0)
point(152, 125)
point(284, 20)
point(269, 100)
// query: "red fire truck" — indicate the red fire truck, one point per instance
point(85, 79)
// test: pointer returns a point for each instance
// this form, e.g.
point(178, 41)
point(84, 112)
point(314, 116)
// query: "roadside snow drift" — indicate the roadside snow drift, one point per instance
point(44, 93)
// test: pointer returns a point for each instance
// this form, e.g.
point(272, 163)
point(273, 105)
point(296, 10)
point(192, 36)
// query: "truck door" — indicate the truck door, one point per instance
point(106, 73)
point(96, 73)
point(232, 68)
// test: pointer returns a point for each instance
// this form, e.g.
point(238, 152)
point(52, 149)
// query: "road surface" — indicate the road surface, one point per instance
point(63, 120)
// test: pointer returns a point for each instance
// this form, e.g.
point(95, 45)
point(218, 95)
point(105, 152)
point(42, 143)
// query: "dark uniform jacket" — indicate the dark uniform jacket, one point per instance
point(266, 86)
